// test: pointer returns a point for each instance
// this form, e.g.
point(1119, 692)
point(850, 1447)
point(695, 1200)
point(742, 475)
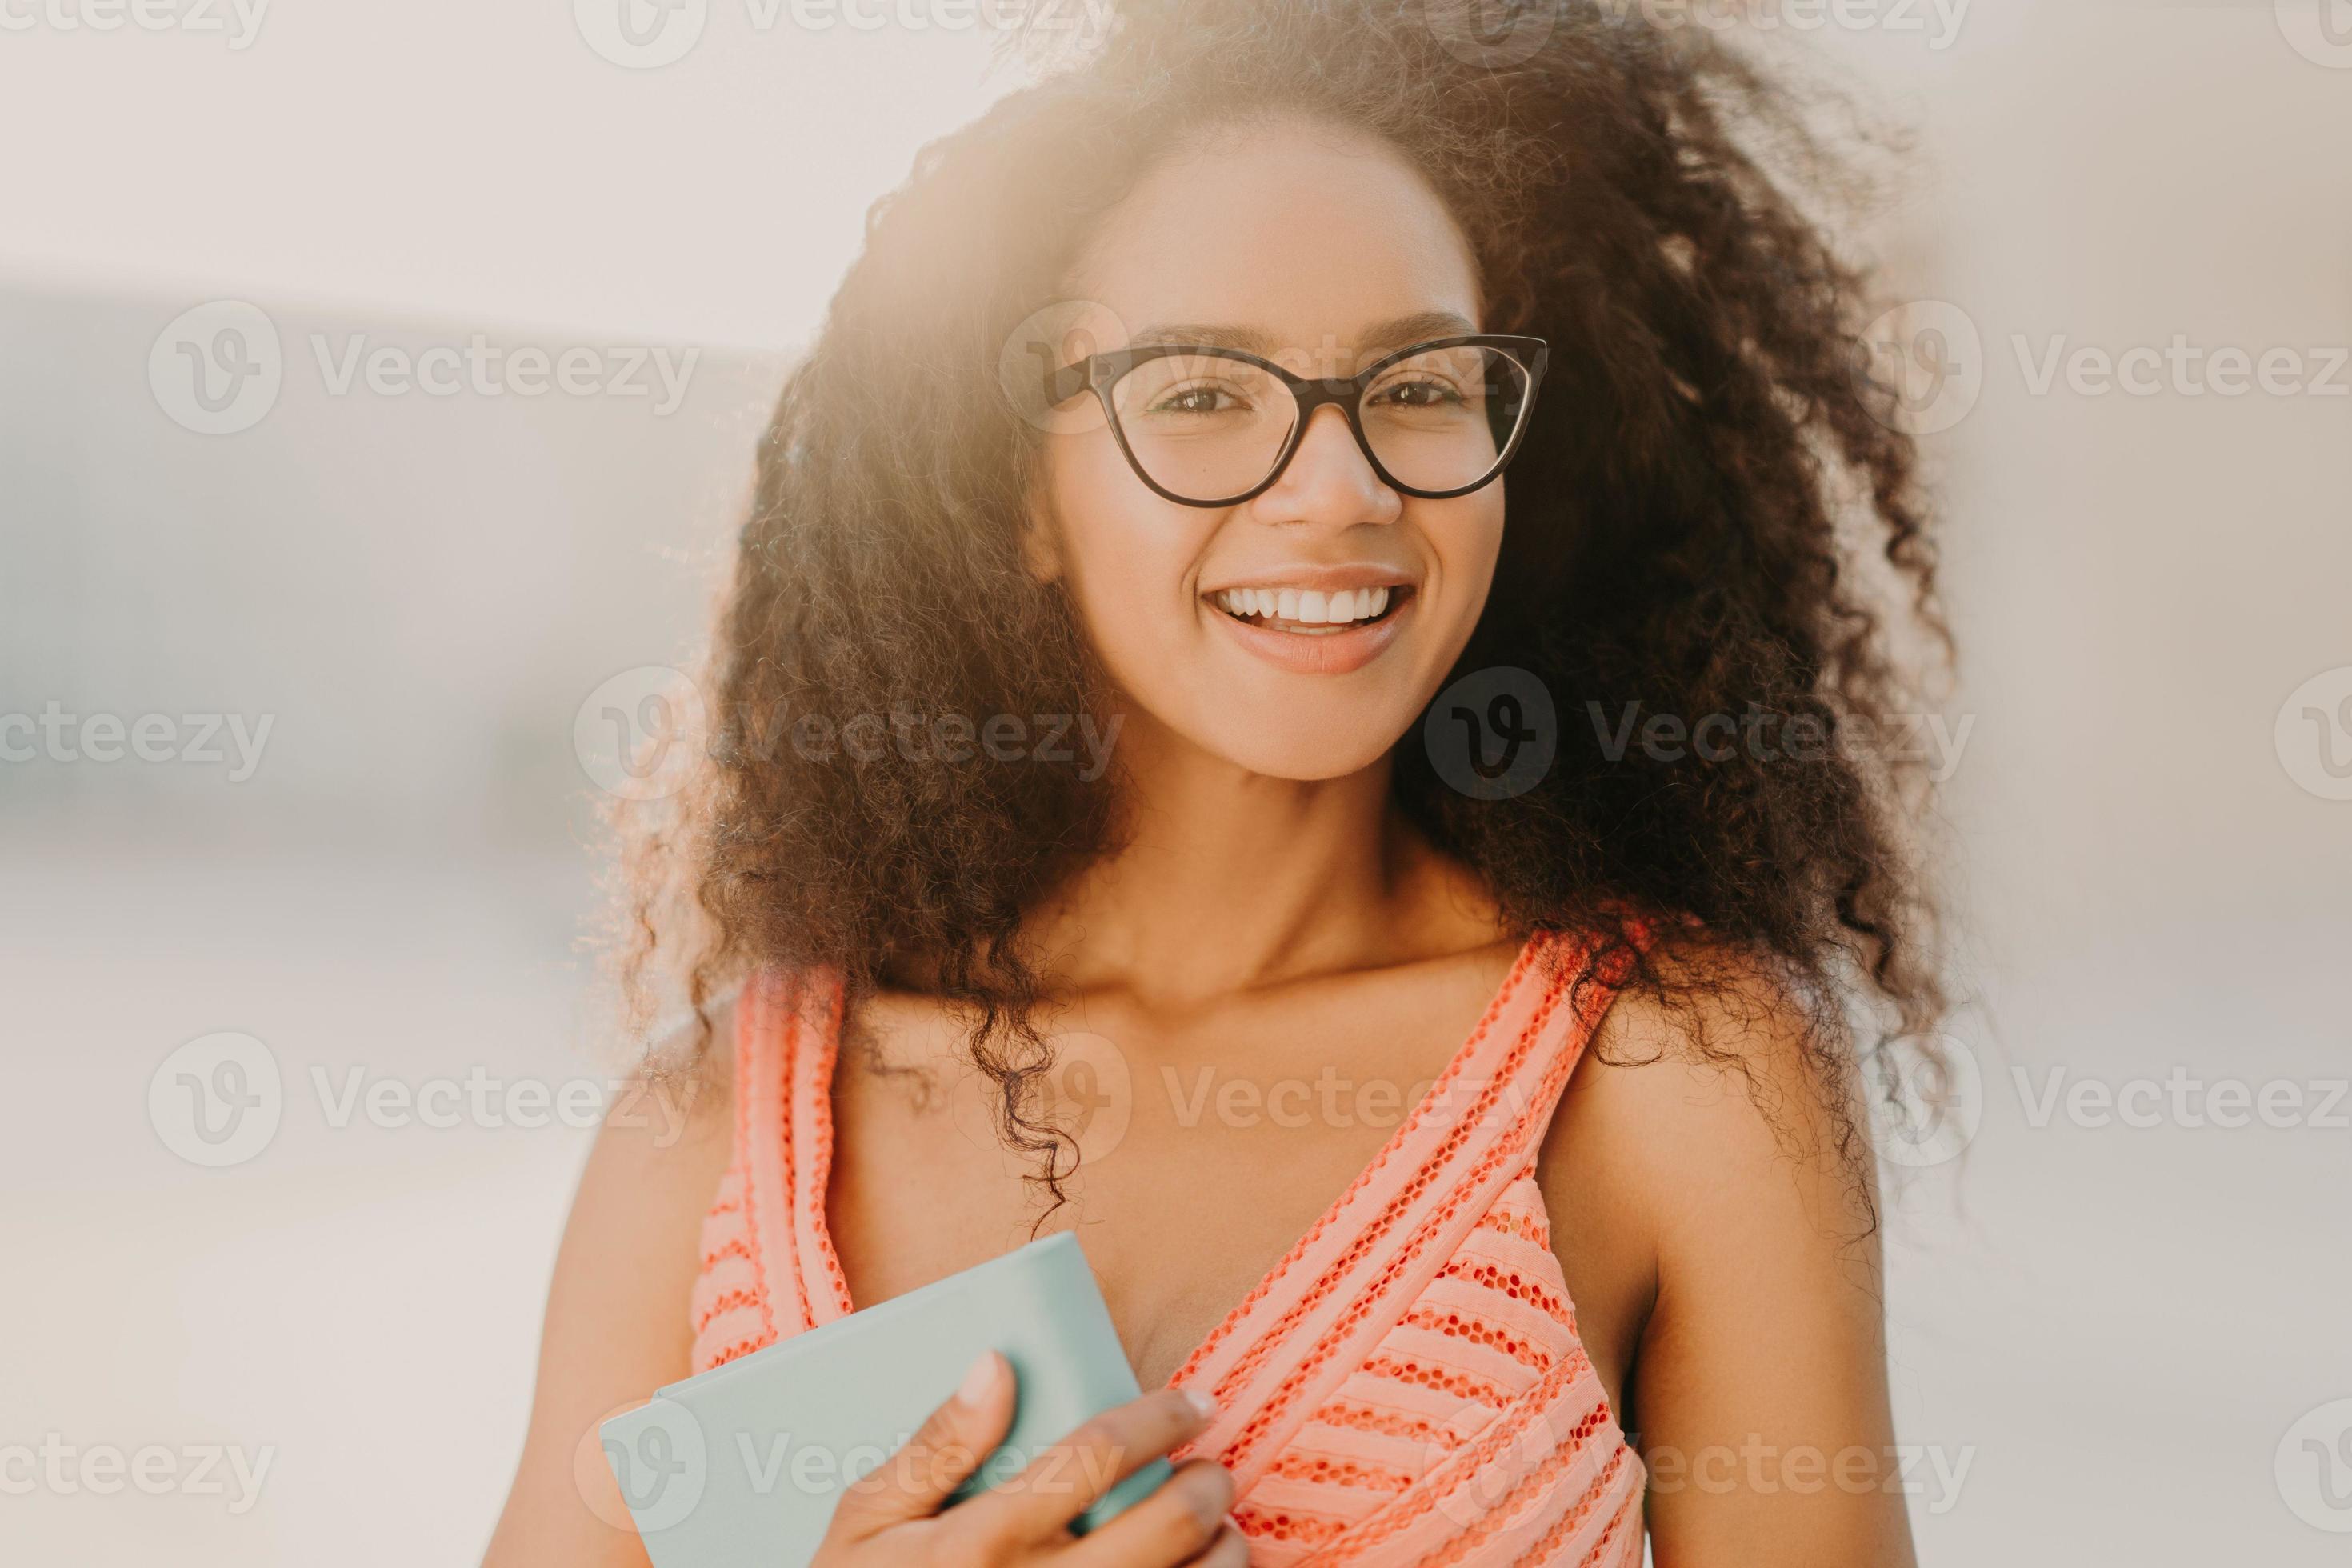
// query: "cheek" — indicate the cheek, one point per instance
point(1467, 544)
point(1124, 554)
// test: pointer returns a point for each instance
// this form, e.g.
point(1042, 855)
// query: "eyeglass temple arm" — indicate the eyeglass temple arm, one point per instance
point(1068, 382)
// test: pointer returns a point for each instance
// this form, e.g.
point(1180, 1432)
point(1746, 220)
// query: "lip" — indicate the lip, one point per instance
point(1332, 653)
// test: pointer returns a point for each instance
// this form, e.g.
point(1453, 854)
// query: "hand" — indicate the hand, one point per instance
point(892, 1516)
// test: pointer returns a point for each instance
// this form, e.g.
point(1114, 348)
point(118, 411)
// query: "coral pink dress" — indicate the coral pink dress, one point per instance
point(1406, 1387)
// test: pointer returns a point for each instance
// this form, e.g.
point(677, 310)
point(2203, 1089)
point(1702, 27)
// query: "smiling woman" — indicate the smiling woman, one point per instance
point(1410, 364)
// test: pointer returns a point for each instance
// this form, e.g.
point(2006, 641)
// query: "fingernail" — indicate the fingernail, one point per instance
point(977, 1381)
point(1202, 1406)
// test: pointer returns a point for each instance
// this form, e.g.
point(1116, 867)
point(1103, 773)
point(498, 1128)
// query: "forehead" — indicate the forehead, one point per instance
point(1305, 237)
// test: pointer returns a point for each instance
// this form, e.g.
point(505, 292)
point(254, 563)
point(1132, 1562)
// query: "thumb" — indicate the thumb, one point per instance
point(914, 1481)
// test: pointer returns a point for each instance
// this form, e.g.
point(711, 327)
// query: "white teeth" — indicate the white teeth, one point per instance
point(1305, 606)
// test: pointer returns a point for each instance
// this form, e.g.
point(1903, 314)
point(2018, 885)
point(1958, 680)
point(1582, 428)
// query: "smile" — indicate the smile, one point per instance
point(1309, 612)
point(1328, 630)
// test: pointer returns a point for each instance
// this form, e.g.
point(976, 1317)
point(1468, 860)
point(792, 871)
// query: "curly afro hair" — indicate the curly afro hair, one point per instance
point(1715, 513)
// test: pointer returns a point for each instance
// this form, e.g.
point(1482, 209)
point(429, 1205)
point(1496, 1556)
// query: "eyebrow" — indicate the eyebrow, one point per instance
point(1394, 333)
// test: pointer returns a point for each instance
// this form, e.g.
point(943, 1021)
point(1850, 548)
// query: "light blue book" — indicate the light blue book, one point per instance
point(744, 1463)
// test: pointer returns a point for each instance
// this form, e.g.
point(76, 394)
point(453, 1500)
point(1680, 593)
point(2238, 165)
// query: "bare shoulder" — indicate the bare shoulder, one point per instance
point(1701, 1098)
point(617, 1325)
point(1709, 1181)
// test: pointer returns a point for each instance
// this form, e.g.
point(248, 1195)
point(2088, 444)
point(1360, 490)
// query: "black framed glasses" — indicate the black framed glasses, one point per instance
point(1214, 427)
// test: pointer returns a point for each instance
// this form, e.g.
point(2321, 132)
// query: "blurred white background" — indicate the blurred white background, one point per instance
point(2132, 1337)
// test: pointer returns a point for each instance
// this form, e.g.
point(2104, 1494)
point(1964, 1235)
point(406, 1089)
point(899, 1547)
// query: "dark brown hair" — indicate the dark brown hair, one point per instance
point(1692, 525)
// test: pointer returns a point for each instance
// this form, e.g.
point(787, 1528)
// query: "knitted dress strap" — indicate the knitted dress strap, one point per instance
point(1319, 1318)
point(769, 1269)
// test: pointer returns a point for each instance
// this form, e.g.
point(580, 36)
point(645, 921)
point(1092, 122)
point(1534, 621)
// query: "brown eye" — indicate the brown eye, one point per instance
point(1417, 394)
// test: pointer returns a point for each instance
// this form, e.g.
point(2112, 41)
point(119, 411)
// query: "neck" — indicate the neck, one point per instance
point(1229, 879)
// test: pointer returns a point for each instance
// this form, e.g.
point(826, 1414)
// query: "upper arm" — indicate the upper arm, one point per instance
point(1758, 1378)
point(617, 1326)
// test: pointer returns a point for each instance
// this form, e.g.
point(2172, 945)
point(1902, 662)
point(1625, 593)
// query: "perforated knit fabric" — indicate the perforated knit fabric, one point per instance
point(1405, 1387)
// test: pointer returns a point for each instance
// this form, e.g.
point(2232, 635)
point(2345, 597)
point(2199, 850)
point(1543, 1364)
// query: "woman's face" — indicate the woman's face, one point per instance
point(1321, 252)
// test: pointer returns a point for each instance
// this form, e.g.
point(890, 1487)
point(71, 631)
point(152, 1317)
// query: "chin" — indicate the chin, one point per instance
point(1328, 742)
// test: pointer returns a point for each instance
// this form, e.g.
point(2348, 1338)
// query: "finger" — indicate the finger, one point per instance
point(1066, 1479)
point(1229, 1550)
point(1178, 1523)
point(915, 1480)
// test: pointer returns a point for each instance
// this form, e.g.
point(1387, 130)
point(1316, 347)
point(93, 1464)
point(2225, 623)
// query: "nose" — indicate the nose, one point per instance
point(1328, 480)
